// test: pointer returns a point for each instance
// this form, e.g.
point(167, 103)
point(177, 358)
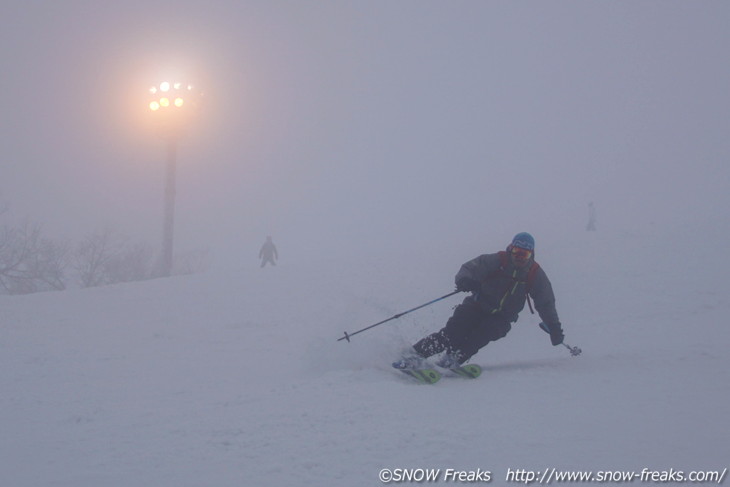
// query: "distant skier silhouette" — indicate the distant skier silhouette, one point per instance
point(268, 253)
point(591, 227)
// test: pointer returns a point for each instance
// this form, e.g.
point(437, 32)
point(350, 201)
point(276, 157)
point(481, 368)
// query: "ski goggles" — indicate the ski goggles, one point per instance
point(521, 254)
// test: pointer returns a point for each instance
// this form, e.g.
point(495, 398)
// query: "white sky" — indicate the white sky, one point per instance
point(344, 122)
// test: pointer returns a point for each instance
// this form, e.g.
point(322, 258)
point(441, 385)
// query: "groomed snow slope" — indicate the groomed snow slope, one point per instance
point(235, 378)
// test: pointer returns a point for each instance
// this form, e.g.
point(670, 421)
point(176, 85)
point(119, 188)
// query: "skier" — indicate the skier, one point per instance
point(500, 284)
point(268, 253)
point(591, 227)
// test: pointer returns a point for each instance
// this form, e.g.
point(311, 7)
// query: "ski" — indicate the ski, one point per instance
point(424, 376)
point(471, 371)
point(431, 376)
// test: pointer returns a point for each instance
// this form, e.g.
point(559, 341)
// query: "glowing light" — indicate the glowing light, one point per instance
point(171, 94)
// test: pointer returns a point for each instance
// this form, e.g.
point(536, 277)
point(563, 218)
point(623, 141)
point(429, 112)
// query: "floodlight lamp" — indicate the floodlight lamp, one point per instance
point(164, 102)
point(179, 102)
point(165, 86)
point(153, 90)
point(154, 106)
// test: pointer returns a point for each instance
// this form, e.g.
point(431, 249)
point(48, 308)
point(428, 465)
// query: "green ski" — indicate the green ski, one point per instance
point(471, 371)
point(424, 376)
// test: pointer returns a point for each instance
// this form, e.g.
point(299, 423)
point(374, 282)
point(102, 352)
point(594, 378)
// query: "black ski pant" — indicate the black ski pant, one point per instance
point(466, 332)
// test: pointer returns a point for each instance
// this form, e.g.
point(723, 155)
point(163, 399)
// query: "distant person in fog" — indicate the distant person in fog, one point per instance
point(268, 253)
point(591, 227)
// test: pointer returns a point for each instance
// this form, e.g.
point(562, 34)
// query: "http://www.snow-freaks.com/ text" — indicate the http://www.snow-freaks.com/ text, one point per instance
point(549, 476)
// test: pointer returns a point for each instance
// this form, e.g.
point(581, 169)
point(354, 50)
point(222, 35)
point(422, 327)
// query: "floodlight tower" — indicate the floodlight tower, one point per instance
point(172, 104)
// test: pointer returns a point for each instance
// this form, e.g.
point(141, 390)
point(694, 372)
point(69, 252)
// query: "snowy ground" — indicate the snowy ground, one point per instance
point(235, 378)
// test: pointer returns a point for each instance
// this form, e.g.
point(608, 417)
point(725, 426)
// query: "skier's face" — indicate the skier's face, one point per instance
point(520, 257)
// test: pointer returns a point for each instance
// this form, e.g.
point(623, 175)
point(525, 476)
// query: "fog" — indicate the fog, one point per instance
point(366, 125)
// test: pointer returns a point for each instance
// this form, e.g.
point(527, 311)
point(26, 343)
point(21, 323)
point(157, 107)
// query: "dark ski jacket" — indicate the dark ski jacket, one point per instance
point(504, 287)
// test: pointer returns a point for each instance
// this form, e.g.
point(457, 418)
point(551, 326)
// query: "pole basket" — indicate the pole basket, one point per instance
point(574, 351)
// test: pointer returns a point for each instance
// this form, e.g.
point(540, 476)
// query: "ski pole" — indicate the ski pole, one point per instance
point(348, 335)
point(574, 351)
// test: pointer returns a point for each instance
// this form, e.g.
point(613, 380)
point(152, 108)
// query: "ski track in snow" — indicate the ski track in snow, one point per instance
point(237, 378)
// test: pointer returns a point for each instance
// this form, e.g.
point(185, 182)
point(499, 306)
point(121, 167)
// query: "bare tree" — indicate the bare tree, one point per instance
point(106, 258)
point(30, 263)
point(91, 257)
point(49, 265)
point(133, 262)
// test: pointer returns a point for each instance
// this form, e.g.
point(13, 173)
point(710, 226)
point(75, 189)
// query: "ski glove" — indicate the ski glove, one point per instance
point(556, 332)
point(467, 284)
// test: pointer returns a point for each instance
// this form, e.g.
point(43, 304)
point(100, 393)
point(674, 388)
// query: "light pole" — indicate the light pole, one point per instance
point(172, 104)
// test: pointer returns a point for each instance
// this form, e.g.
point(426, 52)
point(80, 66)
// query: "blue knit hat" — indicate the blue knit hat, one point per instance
point(524, 240)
